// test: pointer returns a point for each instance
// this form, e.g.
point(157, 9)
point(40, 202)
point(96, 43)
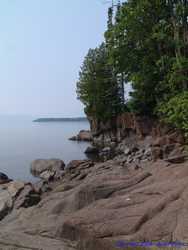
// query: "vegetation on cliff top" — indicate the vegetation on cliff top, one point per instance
point(146, 44)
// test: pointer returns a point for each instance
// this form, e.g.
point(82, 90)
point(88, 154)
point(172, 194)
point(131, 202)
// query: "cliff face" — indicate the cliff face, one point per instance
point(129, 131)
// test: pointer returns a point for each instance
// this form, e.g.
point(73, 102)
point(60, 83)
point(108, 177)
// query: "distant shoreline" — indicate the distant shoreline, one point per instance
point(73, 119)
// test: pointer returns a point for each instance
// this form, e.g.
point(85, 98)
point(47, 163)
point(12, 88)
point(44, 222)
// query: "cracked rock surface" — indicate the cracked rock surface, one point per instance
point(95, 205)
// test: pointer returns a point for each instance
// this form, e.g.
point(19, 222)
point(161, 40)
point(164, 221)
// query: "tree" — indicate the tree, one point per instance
point(146, 44)
point(97, 87)
point(149, 49)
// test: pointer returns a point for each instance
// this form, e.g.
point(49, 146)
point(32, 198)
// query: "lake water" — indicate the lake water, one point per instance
point(22, 141)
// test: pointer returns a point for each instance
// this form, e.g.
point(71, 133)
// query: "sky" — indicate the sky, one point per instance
point(42, 46)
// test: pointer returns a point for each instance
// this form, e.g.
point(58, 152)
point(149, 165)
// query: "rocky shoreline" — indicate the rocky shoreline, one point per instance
point(93, 206)
point(139, 194)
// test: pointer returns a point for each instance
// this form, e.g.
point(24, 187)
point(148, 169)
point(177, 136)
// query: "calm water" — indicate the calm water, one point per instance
point(22, 141)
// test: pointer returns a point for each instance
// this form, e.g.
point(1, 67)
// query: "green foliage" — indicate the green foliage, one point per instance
point(149, 46)
point(97, 87)
point(175, 112)
point(146, 44)
point(179, 75)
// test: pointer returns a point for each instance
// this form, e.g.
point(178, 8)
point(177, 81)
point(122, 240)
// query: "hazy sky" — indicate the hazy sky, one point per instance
point(42, 46)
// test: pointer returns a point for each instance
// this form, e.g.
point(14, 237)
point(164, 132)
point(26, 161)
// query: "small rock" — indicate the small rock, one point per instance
point(134, 149)
point(148, 152)
point(106, 150)
point(127, 151)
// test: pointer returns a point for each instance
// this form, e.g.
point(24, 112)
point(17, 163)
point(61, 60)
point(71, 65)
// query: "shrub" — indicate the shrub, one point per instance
point(175, 111)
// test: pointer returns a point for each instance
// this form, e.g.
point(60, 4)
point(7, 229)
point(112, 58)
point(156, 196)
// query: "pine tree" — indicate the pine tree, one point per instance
point(97, 87)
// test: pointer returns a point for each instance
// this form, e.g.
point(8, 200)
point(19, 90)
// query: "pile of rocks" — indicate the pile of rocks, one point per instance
point(131, 150)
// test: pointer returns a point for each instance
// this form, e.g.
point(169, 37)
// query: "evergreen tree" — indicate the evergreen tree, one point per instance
point(97, 88)
point(146, 44)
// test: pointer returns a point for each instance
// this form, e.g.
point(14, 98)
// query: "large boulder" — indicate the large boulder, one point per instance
point(47, 169)
point(91, 150)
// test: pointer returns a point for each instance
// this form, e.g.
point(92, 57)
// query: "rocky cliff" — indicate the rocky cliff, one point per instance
point(136, 138)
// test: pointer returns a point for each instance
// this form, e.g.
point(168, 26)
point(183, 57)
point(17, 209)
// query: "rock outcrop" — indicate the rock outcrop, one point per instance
point(91, 150)
point(136, 139)
point(95, 206)
point(83, 135)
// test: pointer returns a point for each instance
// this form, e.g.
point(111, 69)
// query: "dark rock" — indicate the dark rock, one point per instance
point(91, 150)
point(73, 138)
point(4, 178)
point(134, 149)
